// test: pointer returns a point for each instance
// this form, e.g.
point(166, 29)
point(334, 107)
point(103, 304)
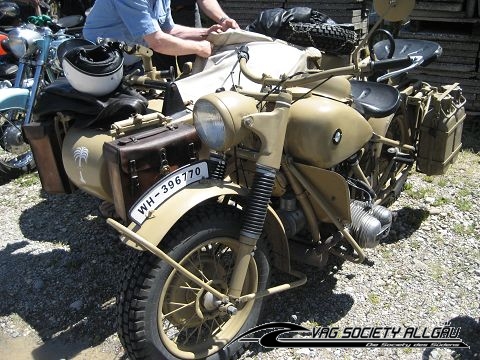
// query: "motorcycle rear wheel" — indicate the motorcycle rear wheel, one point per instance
point(16, 157)
point(164, 315)
point(391, 179)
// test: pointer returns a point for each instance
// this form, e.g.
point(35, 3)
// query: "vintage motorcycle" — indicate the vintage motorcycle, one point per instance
point(37, 50)
point(296, 164)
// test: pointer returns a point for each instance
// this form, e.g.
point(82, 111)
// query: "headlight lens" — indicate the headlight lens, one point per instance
point(218, 118)
point(20, 39)
point(209, 124)
point(18, 45)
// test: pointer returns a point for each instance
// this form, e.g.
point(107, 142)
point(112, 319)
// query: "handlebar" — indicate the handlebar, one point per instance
point(317, 75)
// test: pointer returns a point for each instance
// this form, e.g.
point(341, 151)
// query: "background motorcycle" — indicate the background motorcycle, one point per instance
point(36, 49)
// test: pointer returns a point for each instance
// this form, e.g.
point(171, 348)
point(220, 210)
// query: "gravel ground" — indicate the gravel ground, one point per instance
point(60, 265)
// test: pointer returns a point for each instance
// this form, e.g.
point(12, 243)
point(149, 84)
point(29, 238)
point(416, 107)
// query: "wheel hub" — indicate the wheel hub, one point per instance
point(12, 140)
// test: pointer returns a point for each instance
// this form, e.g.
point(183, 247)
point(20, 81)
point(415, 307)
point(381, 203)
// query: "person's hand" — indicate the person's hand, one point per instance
point(228, 23)
point(217, 28)
point(204, 48)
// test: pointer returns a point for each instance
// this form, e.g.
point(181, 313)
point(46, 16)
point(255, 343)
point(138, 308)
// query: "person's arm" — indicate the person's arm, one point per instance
point(214, 11)
point(170, 44)
point(192, 33)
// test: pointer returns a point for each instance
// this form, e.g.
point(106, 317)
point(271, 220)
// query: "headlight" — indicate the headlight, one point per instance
point(20, 39)
point(218, 118)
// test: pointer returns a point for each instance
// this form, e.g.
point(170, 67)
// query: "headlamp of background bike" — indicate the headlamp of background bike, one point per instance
point(20, 40)
point(218, 118)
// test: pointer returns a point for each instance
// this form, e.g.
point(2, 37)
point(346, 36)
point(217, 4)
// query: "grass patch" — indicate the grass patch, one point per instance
point(462, 204)
point(442, 181)
point(418, 194)
point(463, 230)
point(428, 179)
point(441, 201)
point(436, 271)
point(374, 298)
point(27, 180)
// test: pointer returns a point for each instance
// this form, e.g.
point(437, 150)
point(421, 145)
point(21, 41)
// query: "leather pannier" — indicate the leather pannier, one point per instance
point(137, 161)
point(47, 152)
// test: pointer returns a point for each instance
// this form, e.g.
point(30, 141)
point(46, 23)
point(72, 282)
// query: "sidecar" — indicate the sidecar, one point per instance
point(115, 147)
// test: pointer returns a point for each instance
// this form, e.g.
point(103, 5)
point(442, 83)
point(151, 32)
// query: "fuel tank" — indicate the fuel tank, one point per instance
point(84, 163)
point(323, 132)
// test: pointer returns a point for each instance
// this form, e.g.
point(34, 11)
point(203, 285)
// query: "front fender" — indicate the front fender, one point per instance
point(159, 223)
point(13, 98)
point(380, 127)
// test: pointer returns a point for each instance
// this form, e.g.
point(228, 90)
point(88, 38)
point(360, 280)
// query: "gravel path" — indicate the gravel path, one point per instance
point(60, 264)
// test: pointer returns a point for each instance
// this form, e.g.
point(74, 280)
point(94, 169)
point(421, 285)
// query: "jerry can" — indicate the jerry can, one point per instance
point(440, 138)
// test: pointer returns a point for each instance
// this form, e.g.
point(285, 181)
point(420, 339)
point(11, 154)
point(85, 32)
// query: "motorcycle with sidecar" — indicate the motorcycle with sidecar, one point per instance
point(243, 166)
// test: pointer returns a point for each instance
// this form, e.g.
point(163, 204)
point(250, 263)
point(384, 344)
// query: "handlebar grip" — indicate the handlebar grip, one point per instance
point(242, 53)
point(389, 64)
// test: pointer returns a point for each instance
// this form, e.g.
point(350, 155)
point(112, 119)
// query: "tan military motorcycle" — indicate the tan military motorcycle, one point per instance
point(293, 162)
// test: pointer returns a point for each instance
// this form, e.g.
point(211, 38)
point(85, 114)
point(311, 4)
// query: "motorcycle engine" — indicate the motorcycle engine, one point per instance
point(370, 223)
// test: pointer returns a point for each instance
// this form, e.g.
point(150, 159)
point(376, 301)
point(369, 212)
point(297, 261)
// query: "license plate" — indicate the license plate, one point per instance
point(165, 188)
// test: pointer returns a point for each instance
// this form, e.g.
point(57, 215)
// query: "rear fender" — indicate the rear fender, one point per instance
point(13, 98)
point(159, 223)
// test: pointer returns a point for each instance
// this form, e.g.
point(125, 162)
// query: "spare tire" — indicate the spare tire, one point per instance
point(332, 39)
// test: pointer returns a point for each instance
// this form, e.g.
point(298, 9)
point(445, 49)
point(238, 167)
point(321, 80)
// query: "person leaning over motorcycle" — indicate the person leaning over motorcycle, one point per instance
point(186, 13)
point(146, 22)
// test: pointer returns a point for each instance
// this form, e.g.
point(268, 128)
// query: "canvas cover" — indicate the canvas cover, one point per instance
point(269, 56)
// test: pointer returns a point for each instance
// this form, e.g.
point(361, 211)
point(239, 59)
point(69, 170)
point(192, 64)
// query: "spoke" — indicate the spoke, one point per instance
point(229, 271)
point(184, 326)
point(219, 325)
point(169, 326)
point(182, 306)
point(200, 272)
point(188, 336)
point(199, 333)
point(188, 287)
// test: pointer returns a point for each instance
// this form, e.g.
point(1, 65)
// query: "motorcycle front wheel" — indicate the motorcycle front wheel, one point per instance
point(16, 157)
point(164, 315)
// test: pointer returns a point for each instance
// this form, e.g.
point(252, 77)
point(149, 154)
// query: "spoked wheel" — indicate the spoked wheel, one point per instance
point(16, 157)
point(393, 165)
point(164, 315)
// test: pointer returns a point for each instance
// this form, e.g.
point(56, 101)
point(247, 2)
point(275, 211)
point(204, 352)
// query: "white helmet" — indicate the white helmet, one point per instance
point(95, 70)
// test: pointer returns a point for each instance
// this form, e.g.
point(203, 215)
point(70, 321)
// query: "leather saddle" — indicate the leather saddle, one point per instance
point(89, 110)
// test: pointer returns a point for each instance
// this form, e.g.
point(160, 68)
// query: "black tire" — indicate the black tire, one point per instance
point(16, 157)
point(332, 39)
point(206, 239)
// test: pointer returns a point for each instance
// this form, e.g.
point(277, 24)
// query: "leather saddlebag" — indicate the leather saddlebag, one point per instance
point(137, 161)
point(47, 152)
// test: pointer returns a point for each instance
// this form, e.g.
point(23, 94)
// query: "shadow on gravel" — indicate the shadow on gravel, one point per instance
point(471, 135)
point(470, 335)
point(72, 277)
point(407, 220)
point(4, 180)
point(315, 302)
